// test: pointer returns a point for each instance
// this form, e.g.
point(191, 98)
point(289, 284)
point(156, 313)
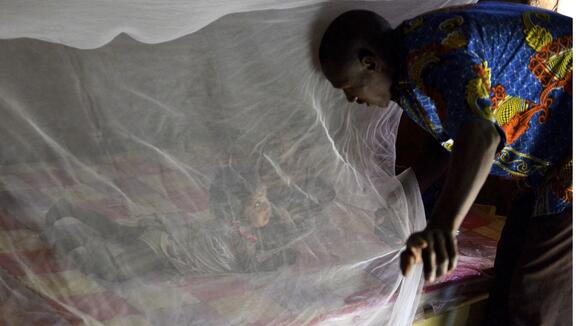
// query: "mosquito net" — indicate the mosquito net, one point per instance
point(196, 169)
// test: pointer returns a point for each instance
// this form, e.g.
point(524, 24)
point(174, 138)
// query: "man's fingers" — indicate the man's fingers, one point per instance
point(437, 249)
point(451, 243)
point(409, 258)
point(428, 255)
point(407, 262)
point(417, 240)
point(415, 246)
point(440, 245)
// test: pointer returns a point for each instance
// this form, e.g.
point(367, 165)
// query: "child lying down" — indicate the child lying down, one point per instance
point(251, 232)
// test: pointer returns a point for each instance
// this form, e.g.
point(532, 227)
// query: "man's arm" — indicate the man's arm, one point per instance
point(417, 149)
point(432, 164)
point(471, 161)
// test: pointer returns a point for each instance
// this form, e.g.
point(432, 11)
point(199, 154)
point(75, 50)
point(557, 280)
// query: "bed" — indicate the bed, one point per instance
point(42, 290)
point(133, 122)
point(468, 286)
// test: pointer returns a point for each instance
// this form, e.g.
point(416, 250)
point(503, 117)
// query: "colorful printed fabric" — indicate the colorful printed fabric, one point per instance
point(509, 64)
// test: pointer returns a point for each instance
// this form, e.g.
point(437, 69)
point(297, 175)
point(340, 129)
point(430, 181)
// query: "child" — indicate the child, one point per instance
point(297, 203)
point(297, 208)
point(116, 252)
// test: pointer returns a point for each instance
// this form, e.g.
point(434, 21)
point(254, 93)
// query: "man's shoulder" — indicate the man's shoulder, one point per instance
point(481, 13)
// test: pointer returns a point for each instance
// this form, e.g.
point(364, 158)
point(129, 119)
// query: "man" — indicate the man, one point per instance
point(492, 83)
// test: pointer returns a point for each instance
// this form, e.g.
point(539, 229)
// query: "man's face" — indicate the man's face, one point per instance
point(361, 84)
point(258, 209)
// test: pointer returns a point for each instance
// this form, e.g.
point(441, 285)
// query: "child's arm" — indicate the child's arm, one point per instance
point(284, 257)
point(245, 253)
point(103, 225)
point(250, 261)
point(139, 259)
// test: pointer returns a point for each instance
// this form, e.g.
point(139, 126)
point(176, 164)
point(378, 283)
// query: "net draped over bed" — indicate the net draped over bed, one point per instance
point(195, 170)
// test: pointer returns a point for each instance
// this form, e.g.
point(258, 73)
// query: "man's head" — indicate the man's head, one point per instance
point(355, 57)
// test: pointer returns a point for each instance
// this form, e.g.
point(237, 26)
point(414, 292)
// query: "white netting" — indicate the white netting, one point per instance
point(215, 178)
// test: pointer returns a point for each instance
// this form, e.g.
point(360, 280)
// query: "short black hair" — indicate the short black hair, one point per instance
point(348, 31)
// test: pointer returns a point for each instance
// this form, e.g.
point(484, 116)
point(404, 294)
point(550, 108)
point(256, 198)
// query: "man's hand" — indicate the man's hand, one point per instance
point(471, 160)
point(435, 247)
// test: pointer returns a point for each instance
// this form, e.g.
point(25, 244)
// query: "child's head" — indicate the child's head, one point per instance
point(237, 195)
point(356, 57)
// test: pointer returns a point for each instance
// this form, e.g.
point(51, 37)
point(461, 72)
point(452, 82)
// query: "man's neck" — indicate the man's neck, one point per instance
point(392, 56)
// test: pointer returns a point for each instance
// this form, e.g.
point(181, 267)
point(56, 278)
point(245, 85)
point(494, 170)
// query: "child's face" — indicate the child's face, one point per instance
point(258, 209)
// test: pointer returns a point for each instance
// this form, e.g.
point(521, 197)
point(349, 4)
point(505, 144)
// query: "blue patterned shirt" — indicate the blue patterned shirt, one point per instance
point(510, 64)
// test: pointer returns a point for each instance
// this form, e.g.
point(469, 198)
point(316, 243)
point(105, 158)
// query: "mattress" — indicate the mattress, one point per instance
point(471, 281)
point(39, 288)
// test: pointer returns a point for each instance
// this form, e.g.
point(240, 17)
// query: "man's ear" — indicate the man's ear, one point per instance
point(369, 60)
